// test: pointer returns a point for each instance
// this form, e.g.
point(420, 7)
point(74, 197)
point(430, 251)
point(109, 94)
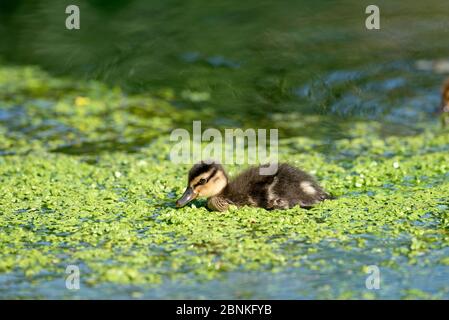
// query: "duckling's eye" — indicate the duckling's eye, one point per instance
point(203, 181)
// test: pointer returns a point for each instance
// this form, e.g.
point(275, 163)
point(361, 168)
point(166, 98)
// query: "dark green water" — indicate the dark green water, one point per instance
point(254, 60)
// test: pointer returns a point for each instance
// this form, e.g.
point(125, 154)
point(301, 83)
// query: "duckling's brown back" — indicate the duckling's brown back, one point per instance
point(297, 187)
point(249, 188)
point(287, 188)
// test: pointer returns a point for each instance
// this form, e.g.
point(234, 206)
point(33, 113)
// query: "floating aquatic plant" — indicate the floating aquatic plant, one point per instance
point(66, 199)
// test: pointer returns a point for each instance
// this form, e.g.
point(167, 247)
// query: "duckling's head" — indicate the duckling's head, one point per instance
point(206, 179)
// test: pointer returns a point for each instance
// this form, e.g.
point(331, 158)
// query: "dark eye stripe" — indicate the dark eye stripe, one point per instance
point(214, 171)
point(212, 174)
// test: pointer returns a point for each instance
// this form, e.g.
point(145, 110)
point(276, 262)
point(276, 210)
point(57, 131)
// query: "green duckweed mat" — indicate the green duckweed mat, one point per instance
point(86, 180)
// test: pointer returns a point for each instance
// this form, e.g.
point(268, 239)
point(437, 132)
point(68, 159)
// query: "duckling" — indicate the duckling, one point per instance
point(286, 188)
point(444, 109)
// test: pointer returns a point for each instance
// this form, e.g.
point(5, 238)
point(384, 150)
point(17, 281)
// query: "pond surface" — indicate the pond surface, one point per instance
point(246, 64)
point(85, 118)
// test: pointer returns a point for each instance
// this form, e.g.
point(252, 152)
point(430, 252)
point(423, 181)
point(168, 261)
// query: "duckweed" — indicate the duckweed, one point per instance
point(85, 180)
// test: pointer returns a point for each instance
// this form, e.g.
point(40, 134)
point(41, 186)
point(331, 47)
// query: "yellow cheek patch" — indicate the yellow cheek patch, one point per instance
point(212, 187)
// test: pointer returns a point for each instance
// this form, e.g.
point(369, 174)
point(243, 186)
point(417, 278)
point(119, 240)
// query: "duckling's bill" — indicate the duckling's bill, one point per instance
point(187, 196)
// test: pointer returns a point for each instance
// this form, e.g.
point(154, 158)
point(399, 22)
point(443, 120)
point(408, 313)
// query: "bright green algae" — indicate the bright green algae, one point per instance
point(86, 195)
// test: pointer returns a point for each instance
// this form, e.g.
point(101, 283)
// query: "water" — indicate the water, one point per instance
point(251, 61)
point(339, 279)
point(308, 68)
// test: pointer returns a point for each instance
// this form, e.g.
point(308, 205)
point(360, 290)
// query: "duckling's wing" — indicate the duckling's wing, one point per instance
point(298, 187)
point(250, 188)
